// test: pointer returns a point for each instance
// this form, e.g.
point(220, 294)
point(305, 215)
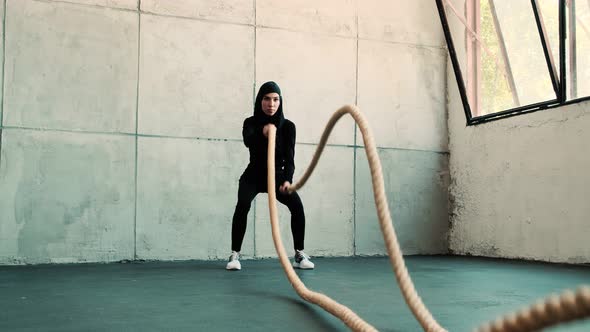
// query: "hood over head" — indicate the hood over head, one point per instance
point(278, 118)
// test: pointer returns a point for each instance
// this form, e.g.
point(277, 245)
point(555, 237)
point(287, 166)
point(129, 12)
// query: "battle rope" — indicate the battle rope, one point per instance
point(555, 310)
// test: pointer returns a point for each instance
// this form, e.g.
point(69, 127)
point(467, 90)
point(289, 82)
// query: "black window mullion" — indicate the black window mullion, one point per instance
point(546, 47)
point(562, 70)
point(454, 61)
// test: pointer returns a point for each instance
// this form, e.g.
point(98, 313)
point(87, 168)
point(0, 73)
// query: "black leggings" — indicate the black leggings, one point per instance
point(248, 189)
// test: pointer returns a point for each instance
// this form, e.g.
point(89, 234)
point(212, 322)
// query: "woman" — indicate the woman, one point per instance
point(268, 111)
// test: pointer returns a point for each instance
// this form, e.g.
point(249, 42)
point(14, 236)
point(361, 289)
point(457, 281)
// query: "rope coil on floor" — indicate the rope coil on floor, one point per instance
point(555, 310)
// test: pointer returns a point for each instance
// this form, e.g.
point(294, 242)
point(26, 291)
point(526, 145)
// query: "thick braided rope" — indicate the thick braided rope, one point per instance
point(351, 319)
point(553, 311)
point(401, 273)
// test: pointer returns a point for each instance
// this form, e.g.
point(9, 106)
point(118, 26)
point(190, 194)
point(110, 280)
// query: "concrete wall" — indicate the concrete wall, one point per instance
point(520, 185)
point(121, 126)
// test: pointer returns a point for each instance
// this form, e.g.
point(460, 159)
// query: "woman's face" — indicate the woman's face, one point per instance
point(270, 103)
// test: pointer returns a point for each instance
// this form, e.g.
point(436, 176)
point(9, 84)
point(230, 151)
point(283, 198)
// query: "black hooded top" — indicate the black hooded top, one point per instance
point(258, 144)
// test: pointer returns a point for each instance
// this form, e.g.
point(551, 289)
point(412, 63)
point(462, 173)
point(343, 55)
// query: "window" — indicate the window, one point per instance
point(517, 56)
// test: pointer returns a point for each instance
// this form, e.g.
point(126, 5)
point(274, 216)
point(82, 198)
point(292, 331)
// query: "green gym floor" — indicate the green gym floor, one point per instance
point(461, 293)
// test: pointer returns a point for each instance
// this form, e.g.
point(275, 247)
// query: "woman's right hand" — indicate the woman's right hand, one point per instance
point(266, 128)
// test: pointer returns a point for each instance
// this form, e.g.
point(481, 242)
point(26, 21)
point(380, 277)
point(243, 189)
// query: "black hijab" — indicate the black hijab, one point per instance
point(261, 118)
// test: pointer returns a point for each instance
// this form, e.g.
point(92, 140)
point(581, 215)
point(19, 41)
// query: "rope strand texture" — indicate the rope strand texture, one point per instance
point(553, 311)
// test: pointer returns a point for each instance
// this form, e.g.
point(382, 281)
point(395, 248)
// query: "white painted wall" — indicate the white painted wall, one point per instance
point(121, 126)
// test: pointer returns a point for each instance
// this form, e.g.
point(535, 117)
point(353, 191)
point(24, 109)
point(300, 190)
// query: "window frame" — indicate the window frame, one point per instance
point(558, 83)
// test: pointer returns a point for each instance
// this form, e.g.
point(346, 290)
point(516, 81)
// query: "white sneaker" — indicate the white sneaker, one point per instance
point(234, 261)
point(302, 261)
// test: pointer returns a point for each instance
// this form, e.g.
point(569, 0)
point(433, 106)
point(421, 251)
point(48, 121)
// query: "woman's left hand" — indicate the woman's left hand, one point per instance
point(284, 187)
